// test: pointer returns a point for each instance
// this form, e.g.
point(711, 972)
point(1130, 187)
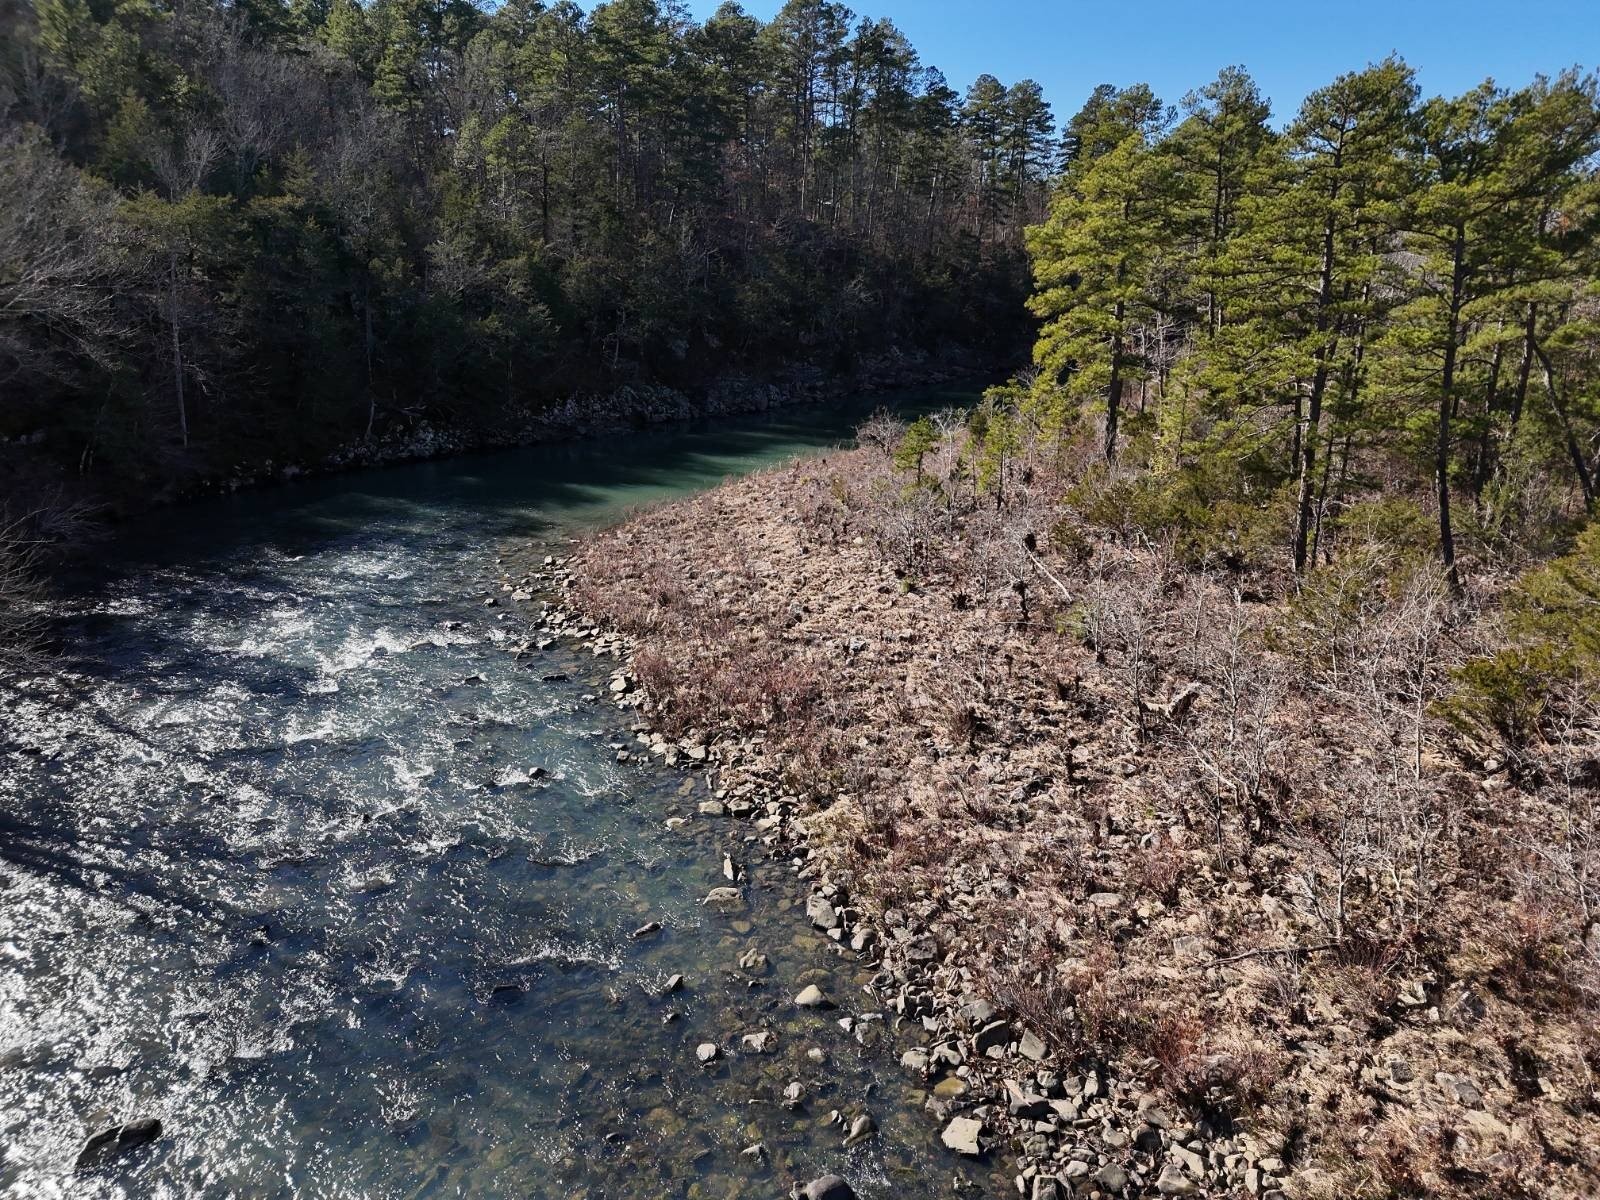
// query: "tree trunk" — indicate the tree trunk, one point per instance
point(366, 321)
point(544, 198)
point(1319, 387)
point(1441, 450)
point(1114, 392)
point(1484, 454)
point(177, 346)
point(1574, 451)
point(1308, 464)
point(1525, 370)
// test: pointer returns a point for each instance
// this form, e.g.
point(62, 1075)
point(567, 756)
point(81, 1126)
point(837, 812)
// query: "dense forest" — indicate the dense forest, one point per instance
point(251, 232)
point(1369, 339)
point(1386, 295)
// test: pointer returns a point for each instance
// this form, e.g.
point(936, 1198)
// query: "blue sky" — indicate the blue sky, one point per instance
point(1290, 46)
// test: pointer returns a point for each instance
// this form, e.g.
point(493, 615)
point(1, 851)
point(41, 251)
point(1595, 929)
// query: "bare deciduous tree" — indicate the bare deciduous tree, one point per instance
point(59, 242)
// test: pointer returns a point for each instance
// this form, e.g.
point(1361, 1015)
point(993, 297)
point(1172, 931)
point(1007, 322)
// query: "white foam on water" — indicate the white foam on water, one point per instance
point(122, 606)
point(586, 953)
point(385, 971)
point(410, 776)
point(391, 565)
point(287, 628)
point(247, 805)
point(602, 782)
point(325, 729)
point(572, 855)
point(436, 846)
point(356, 651)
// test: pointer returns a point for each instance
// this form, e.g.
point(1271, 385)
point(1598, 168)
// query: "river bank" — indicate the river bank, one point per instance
point(987, 756)
point(626, 409)
point(64, 520)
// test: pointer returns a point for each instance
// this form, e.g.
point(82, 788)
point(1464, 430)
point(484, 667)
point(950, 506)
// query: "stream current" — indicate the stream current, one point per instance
point(297, 857)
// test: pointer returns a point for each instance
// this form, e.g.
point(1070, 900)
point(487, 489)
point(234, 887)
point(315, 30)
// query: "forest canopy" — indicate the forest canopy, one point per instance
point(232, 233)
point(250, 233)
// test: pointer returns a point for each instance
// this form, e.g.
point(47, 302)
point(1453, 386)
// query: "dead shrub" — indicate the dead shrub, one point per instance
point(1125, 617)
point(761, 690)
point(905, 524)
point(881, 433)
point(32, 541)
point(1023, 975)
point(964, 726)
point(1158, 870)
point(22, 592)
point(821, 757)
point(655, 675)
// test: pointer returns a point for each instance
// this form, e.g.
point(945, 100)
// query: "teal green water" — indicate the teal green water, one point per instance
point(280, 870)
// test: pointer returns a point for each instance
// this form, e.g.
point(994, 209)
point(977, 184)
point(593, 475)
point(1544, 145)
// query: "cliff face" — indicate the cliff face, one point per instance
point(1172, 895)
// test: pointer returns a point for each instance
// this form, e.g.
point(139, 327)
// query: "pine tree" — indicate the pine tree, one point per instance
point(1482, 160)
point(1309, 266)
point(1106, 120)
point(1219, 147)
point(1097, 260)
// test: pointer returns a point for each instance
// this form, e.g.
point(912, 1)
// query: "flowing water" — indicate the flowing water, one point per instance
point(298, 858)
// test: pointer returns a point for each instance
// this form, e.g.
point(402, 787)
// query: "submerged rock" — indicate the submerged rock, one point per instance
point(811, 996)
point(116, 1141)
point(861, 1129)
point(753, 961)
point(760, 1043)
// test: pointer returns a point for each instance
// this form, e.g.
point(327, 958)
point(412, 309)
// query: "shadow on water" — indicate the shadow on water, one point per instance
point(524, 491)
point(73, 859)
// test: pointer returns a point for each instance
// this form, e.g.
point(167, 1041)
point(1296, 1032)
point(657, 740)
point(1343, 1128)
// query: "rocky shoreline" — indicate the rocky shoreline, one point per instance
point(997, 1093)
point(990, 736)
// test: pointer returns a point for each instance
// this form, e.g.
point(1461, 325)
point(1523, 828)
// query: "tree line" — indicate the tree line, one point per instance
point(1385, 311)
point(248, 232)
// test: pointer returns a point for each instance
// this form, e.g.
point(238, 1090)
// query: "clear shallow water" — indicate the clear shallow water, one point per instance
point(274, 871)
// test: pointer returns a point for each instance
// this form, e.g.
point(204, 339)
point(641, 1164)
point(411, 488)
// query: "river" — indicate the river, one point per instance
point(300, 859)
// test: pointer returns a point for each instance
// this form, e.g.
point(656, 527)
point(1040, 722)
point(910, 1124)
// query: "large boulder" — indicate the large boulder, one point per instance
point(821, 912)
point(1024, 1103)
point(995, 1035)
point(829, 1187)
point(961, 1135)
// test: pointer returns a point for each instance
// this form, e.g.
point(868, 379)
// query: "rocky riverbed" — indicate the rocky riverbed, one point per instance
point(996, 1093)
